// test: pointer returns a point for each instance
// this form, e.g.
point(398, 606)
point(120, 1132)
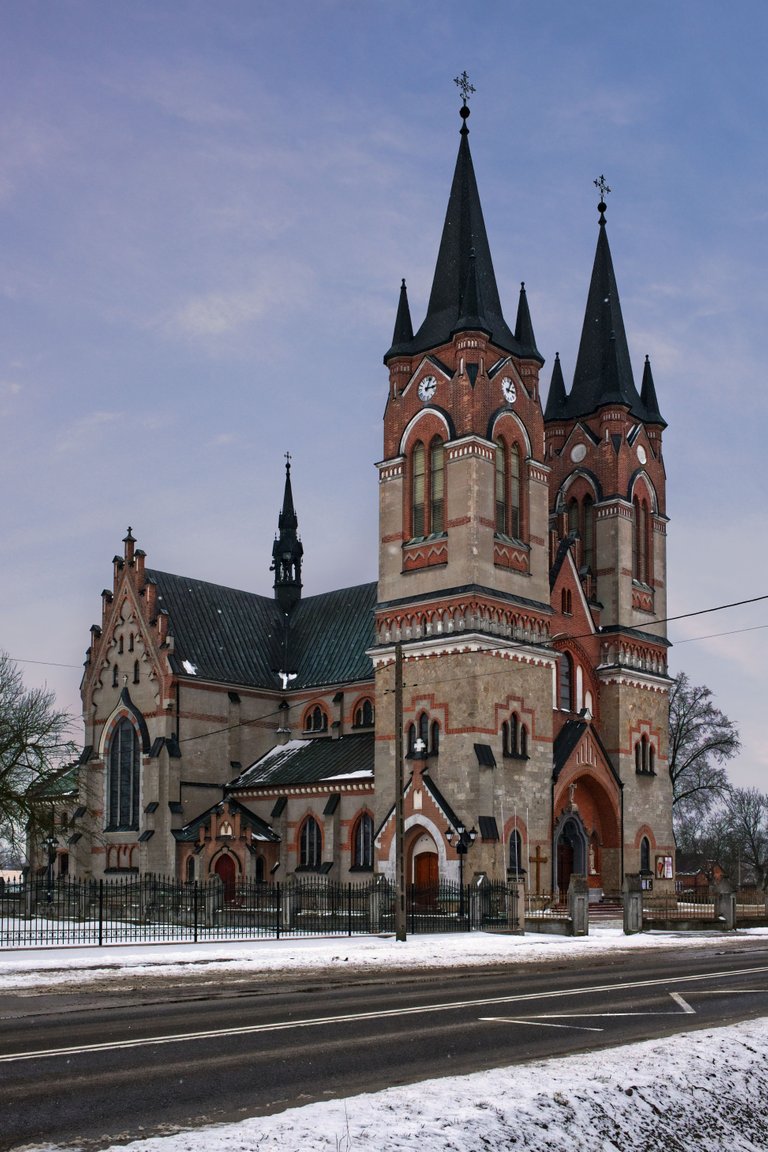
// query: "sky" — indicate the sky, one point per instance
point(683, 1091)
point(205, 215)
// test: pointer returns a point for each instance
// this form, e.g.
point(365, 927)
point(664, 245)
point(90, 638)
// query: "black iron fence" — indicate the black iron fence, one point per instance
point(122, 910)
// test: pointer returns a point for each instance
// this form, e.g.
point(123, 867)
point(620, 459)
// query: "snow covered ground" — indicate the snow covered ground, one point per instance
point(707, 1090)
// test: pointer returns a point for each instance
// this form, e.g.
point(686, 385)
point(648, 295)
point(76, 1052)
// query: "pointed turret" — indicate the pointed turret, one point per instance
point(471, 318)
point(648, 396)
point(603, 370)
point(403, 333)
point(556, 398)
point(287, 550)
point(463, 233)
point(524, 327)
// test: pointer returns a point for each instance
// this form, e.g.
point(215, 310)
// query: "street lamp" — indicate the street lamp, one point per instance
point(463, 840)
point(50, 843)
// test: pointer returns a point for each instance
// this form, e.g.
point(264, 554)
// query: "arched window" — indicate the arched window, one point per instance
point(424, 732)
point(638, 757)
point(567, 602)
point(565, 676)
point(581, 523)
point(418, 490)
point(645, 855)
point(189, 871)
point(515, 505)
point(411, 740)
point(260, 874)
point(508, 485)
point(434, 745)
point(120, 645)
point(130, 642)
point(135, 671)
point(362, 843)
point(123, 778)
point(501, 487)
point(316, 720)
point(364, 715)
point(516, 859)
point(523, 742)
point(651, 759)
point(428, 488)
point(115, 674)
point(310, 844)
point(437, 486)
point(640, 542)
point(588, 532)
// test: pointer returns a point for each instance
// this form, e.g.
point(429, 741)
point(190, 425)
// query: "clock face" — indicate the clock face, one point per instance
point(509, 390)
point(427, 388)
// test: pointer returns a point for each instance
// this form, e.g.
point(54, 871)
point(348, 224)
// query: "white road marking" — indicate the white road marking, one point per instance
point(540, 1022)
point(678, 999)
point(383, 1014)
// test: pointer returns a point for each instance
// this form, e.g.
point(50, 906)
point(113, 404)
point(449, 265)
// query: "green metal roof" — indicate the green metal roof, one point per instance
point(310, 762)
point(235, 637)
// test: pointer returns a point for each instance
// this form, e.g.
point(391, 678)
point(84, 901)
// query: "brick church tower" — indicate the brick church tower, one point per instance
point(508, 538)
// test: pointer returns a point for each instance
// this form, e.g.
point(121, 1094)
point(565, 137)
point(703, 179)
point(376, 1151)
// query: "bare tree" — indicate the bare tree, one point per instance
point(35, 750)
point(746, 822)
point(701, 741)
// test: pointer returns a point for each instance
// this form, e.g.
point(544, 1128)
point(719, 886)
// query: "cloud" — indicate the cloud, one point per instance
point(80, 435)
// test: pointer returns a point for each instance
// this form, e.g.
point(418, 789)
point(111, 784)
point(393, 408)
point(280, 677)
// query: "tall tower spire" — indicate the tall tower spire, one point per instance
point(464, 265)
point(603, 369)
point(287, 550)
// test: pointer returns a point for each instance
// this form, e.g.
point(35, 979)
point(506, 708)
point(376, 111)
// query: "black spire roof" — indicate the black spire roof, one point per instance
point(287, 550)
point(557, 400)
point(464, 291)
point(603, 369)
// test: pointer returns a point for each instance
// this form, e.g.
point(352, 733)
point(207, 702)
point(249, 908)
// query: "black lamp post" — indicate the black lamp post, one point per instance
point(463, 840)
point(50, 844)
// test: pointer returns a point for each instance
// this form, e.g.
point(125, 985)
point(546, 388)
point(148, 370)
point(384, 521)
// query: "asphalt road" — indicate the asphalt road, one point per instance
point(131, 1061)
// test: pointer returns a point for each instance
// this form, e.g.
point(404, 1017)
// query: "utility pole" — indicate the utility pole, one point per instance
point(400, 917)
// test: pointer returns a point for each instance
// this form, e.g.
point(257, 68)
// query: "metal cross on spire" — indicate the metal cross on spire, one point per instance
point(464, 86)
point(602, 185)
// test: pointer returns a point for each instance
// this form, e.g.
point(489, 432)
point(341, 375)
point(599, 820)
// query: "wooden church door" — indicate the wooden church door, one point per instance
point(226, 870)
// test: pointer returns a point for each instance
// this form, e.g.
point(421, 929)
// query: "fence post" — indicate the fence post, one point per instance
point(633, 903)
point(578, 905)
point(194, 910)
point(516, 907)
point(725, 905)
point(101, 911)
point(277, 909)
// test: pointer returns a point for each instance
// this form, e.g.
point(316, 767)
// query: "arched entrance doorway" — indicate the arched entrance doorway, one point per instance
point(570, 852)
point(226, 870)
point(424, 871)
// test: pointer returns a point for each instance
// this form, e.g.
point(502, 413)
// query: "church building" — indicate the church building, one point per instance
point(521, 593)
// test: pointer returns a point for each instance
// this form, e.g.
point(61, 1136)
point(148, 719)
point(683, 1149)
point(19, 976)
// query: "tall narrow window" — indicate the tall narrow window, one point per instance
point(362, 843)
point(434, 746)
point(501, 487)
point(515, 519)
point(566, 681)
point(123, 781)
point(424, 732)
point(310, 844)
point(588, 532)
point(418, 493)
point(516, 853)
point(640, 540)
point(437, 486)
point(645, 855)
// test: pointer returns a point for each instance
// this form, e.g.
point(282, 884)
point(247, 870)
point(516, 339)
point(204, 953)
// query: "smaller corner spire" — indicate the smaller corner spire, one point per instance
point(402, 336)
point(648, 396)
point(556, 397)
point(524, 326)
